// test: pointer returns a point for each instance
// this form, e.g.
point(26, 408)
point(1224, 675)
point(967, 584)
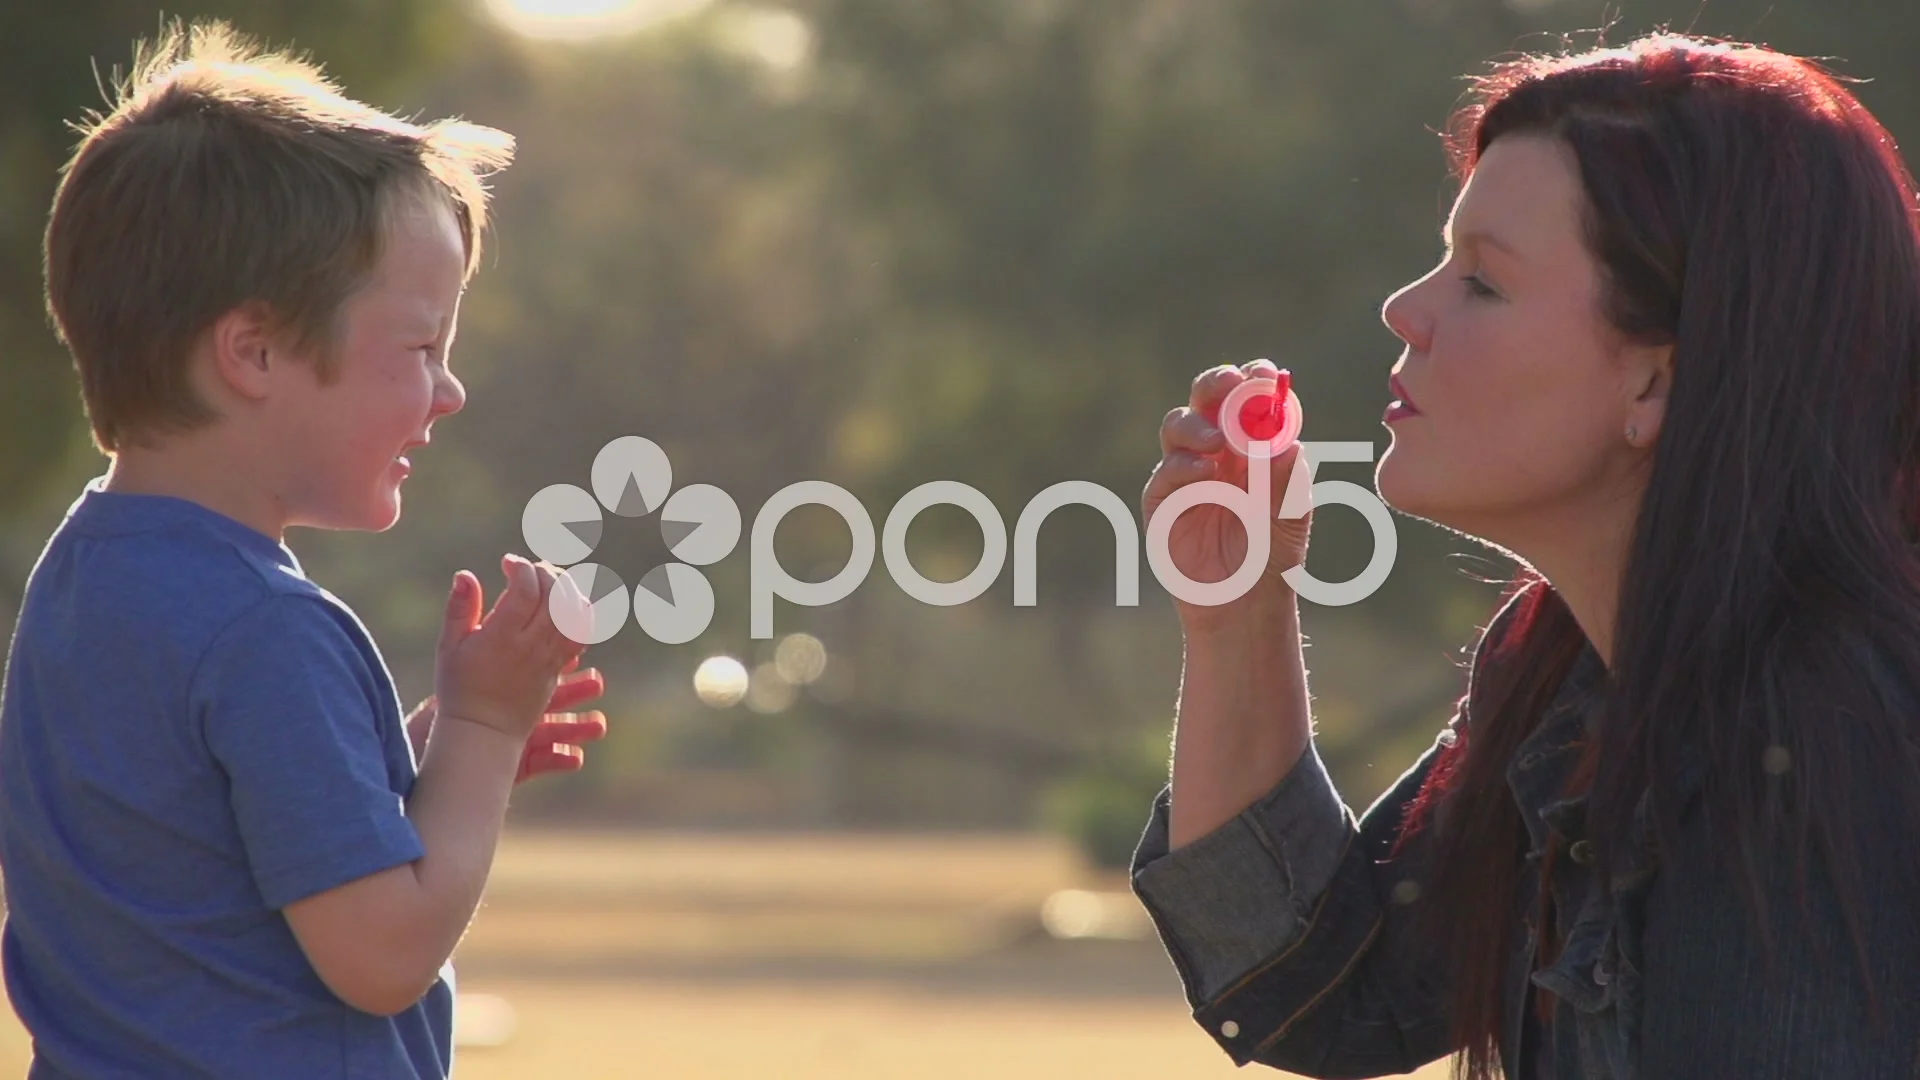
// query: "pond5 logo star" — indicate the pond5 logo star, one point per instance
point(673, 603)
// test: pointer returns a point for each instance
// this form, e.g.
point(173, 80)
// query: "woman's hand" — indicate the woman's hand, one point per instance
point(1208, 542)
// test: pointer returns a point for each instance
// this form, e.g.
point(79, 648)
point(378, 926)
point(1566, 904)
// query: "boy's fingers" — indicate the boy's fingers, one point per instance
point(564, 755)
point(542, 581)
point(516, 605)
point(575, 689)
point(541, 760)
point(570, 728)
point(569, 611)
point(546, 573)
point(539, 584)
point(463, 607)
point(506, 592)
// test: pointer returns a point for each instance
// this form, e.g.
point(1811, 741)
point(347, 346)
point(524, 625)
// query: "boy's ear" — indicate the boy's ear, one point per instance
point(243, 343)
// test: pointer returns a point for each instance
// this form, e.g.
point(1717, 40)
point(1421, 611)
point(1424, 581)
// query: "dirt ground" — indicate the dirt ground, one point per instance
point(806, 958)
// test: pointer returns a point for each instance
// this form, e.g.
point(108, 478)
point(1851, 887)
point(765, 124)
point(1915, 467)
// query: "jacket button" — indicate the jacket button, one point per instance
point(1230, 1029)
point(1581, 852)
point(1601, 976)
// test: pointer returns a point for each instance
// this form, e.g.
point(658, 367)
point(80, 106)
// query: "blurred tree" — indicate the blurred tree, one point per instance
point(1078, 206)
point(988, 241)
point(985, 242)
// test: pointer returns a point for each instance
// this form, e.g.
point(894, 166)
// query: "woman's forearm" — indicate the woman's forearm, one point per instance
point(1243, 719)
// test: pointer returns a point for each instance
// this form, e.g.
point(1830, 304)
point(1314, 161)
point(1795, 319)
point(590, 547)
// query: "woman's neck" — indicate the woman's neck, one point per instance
point(1584, 558)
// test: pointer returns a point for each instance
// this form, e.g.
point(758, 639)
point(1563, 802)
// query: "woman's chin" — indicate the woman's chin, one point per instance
point(1395, 486)
point(1403, 485)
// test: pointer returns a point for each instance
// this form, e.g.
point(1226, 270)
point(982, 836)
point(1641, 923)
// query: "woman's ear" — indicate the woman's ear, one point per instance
point(1650, 378)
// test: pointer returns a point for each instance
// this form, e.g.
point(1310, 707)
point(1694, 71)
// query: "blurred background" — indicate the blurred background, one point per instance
point(876, 243)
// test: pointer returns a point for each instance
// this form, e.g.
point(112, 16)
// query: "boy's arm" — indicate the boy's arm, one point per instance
point(419, 725)
point(458, 807)
point(379, 941)
point(290, 703)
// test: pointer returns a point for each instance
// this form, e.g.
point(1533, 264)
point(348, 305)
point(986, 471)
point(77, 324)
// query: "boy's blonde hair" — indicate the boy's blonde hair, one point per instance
point(224, 175)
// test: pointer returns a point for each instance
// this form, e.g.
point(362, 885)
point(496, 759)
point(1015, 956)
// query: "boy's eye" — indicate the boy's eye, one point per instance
point(1476, 287)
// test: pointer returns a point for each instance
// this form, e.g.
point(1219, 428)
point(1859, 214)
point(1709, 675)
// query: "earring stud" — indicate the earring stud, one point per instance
point(1631, 433)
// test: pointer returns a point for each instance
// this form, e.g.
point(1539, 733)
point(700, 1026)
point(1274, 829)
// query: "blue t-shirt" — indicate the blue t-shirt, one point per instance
point(194, 736)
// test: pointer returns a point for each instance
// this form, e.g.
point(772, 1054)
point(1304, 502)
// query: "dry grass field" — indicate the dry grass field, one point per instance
point(765, 958)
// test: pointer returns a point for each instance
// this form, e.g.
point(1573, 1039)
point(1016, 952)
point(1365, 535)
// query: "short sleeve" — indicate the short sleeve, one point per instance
point(291, 709)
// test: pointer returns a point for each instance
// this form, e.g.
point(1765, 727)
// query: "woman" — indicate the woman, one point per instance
point(1671, 364)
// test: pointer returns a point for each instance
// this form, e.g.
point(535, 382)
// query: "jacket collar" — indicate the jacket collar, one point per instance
point(1544, 761)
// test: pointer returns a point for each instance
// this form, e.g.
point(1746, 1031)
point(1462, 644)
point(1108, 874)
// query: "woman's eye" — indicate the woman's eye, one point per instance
point(1476, 287)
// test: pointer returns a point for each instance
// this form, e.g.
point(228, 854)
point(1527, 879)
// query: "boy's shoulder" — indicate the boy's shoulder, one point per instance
point(184, 572)
point(175, 539)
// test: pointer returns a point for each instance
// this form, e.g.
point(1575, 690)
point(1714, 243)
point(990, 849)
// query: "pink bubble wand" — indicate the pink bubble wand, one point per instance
point(1262, 417)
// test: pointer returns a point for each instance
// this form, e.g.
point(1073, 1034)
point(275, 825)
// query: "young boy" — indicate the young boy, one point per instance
point(220, 859)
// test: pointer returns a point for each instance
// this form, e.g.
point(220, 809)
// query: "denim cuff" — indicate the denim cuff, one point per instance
point(1234, 898)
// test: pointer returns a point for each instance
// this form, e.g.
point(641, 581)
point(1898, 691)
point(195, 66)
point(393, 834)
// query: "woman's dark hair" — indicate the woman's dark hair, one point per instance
point(1747, 210)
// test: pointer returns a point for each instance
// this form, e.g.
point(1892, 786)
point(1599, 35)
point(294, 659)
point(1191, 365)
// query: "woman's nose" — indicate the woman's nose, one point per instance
point(1403, 316)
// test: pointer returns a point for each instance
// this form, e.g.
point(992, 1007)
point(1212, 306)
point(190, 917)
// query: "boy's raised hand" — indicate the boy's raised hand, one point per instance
point(501, 669)
point(555, 745)
point(557, 742)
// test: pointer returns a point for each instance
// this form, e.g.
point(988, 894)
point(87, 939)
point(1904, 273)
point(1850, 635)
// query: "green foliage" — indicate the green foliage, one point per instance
point(1103, 806)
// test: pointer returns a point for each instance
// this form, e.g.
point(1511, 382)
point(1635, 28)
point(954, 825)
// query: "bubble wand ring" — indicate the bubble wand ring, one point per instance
point(1261, 418)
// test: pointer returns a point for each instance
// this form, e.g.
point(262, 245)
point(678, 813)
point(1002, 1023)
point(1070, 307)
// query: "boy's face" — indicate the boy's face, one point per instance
point(391, 383)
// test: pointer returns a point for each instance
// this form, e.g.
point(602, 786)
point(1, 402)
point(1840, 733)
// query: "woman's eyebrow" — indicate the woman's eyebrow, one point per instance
point(1475, 237)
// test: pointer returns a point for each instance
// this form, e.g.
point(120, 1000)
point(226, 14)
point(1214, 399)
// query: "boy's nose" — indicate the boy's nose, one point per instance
point(449, 395)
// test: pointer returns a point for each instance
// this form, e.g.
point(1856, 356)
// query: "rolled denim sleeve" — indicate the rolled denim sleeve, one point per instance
point(1289, 926)
point(1244, 892)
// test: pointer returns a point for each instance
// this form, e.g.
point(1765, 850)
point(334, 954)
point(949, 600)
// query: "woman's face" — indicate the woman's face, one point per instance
point(1522, 389)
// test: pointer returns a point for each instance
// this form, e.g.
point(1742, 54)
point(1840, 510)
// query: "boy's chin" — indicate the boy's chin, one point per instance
point(376, 514)
point(384, 514)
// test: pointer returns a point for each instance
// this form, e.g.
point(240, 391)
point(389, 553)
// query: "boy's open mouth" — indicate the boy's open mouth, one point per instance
point(400, 458)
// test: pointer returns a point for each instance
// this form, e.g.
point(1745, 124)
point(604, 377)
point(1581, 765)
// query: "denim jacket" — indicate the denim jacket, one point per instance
point(1288, 926)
